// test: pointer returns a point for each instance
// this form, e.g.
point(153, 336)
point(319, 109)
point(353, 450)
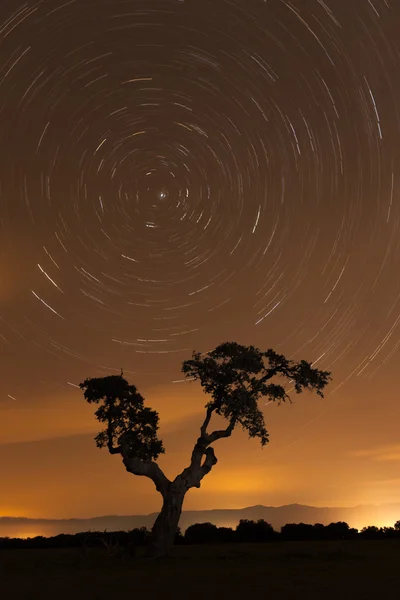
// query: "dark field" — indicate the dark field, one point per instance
point(358, 570)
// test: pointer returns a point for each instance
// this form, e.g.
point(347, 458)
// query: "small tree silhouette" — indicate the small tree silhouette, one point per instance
point(338, 531)
point(236, 377)
point(111, 545)
point(84, 543)
point(255, 531)
point(201, 533)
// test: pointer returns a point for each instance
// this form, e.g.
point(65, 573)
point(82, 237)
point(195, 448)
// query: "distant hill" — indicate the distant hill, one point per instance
point(357, 516)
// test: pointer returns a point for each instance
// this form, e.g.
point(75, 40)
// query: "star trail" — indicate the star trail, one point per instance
point(177, 173)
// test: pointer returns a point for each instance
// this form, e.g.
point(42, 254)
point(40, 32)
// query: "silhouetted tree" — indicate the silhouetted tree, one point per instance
point(297, 532)
point(305, 531)
point(226, 535)
point(338, 531)
point(236, 377)
point(255, 531)
point(390, 533)
point(201, 533)
point(318, 532)
point(397, 526)
point(372, 533)
point(139, 536)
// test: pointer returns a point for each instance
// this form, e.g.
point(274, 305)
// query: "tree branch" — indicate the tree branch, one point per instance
point(150, 469)
point(209, 461)
point(222, 433)
point(284, 367)
point(269, 374)
point(110, 445)
point(114, 450)
point(194, 473)
point(203, 428)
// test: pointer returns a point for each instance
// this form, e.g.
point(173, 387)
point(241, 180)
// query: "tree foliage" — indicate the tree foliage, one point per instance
point(128, 422)
point(237, 377)
point(201, 533)
point(254, 531)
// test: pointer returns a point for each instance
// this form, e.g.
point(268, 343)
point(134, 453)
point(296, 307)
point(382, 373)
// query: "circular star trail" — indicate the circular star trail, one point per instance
point(176, 173)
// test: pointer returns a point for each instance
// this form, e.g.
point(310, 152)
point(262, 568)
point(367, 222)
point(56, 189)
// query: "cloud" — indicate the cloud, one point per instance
point(66, 414)
point(20, 425)
point(389, 452)
point(395, 481)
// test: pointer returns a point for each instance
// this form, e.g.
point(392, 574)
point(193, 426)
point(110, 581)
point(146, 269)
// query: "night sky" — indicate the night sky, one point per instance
point(177, 173)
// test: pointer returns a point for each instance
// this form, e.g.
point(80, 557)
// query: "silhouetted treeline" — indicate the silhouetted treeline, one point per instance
point(206, 533)
point(88, 539)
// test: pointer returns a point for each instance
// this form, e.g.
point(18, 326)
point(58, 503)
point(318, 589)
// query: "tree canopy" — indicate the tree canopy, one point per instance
point(129, 424)
point(237, 377)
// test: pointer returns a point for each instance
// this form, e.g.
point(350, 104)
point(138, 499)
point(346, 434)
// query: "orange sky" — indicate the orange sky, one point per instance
point(340, 451)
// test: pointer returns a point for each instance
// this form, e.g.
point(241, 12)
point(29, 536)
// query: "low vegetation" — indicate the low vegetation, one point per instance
point(246, 532)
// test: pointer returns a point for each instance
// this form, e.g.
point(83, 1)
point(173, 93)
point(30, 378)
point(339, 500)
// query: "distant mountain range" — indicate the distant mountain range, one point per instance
point(357, 516)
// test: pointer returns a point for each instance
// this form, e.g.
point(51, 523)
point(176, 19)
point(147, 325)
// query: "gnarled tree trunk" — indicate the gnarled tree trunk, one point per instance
point(166, 525)
point(173, 492)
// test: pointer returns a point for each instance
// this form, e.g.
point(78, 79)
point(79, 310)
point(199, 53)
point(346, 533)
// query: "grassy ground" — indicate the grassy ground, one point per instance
point(356, 570)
